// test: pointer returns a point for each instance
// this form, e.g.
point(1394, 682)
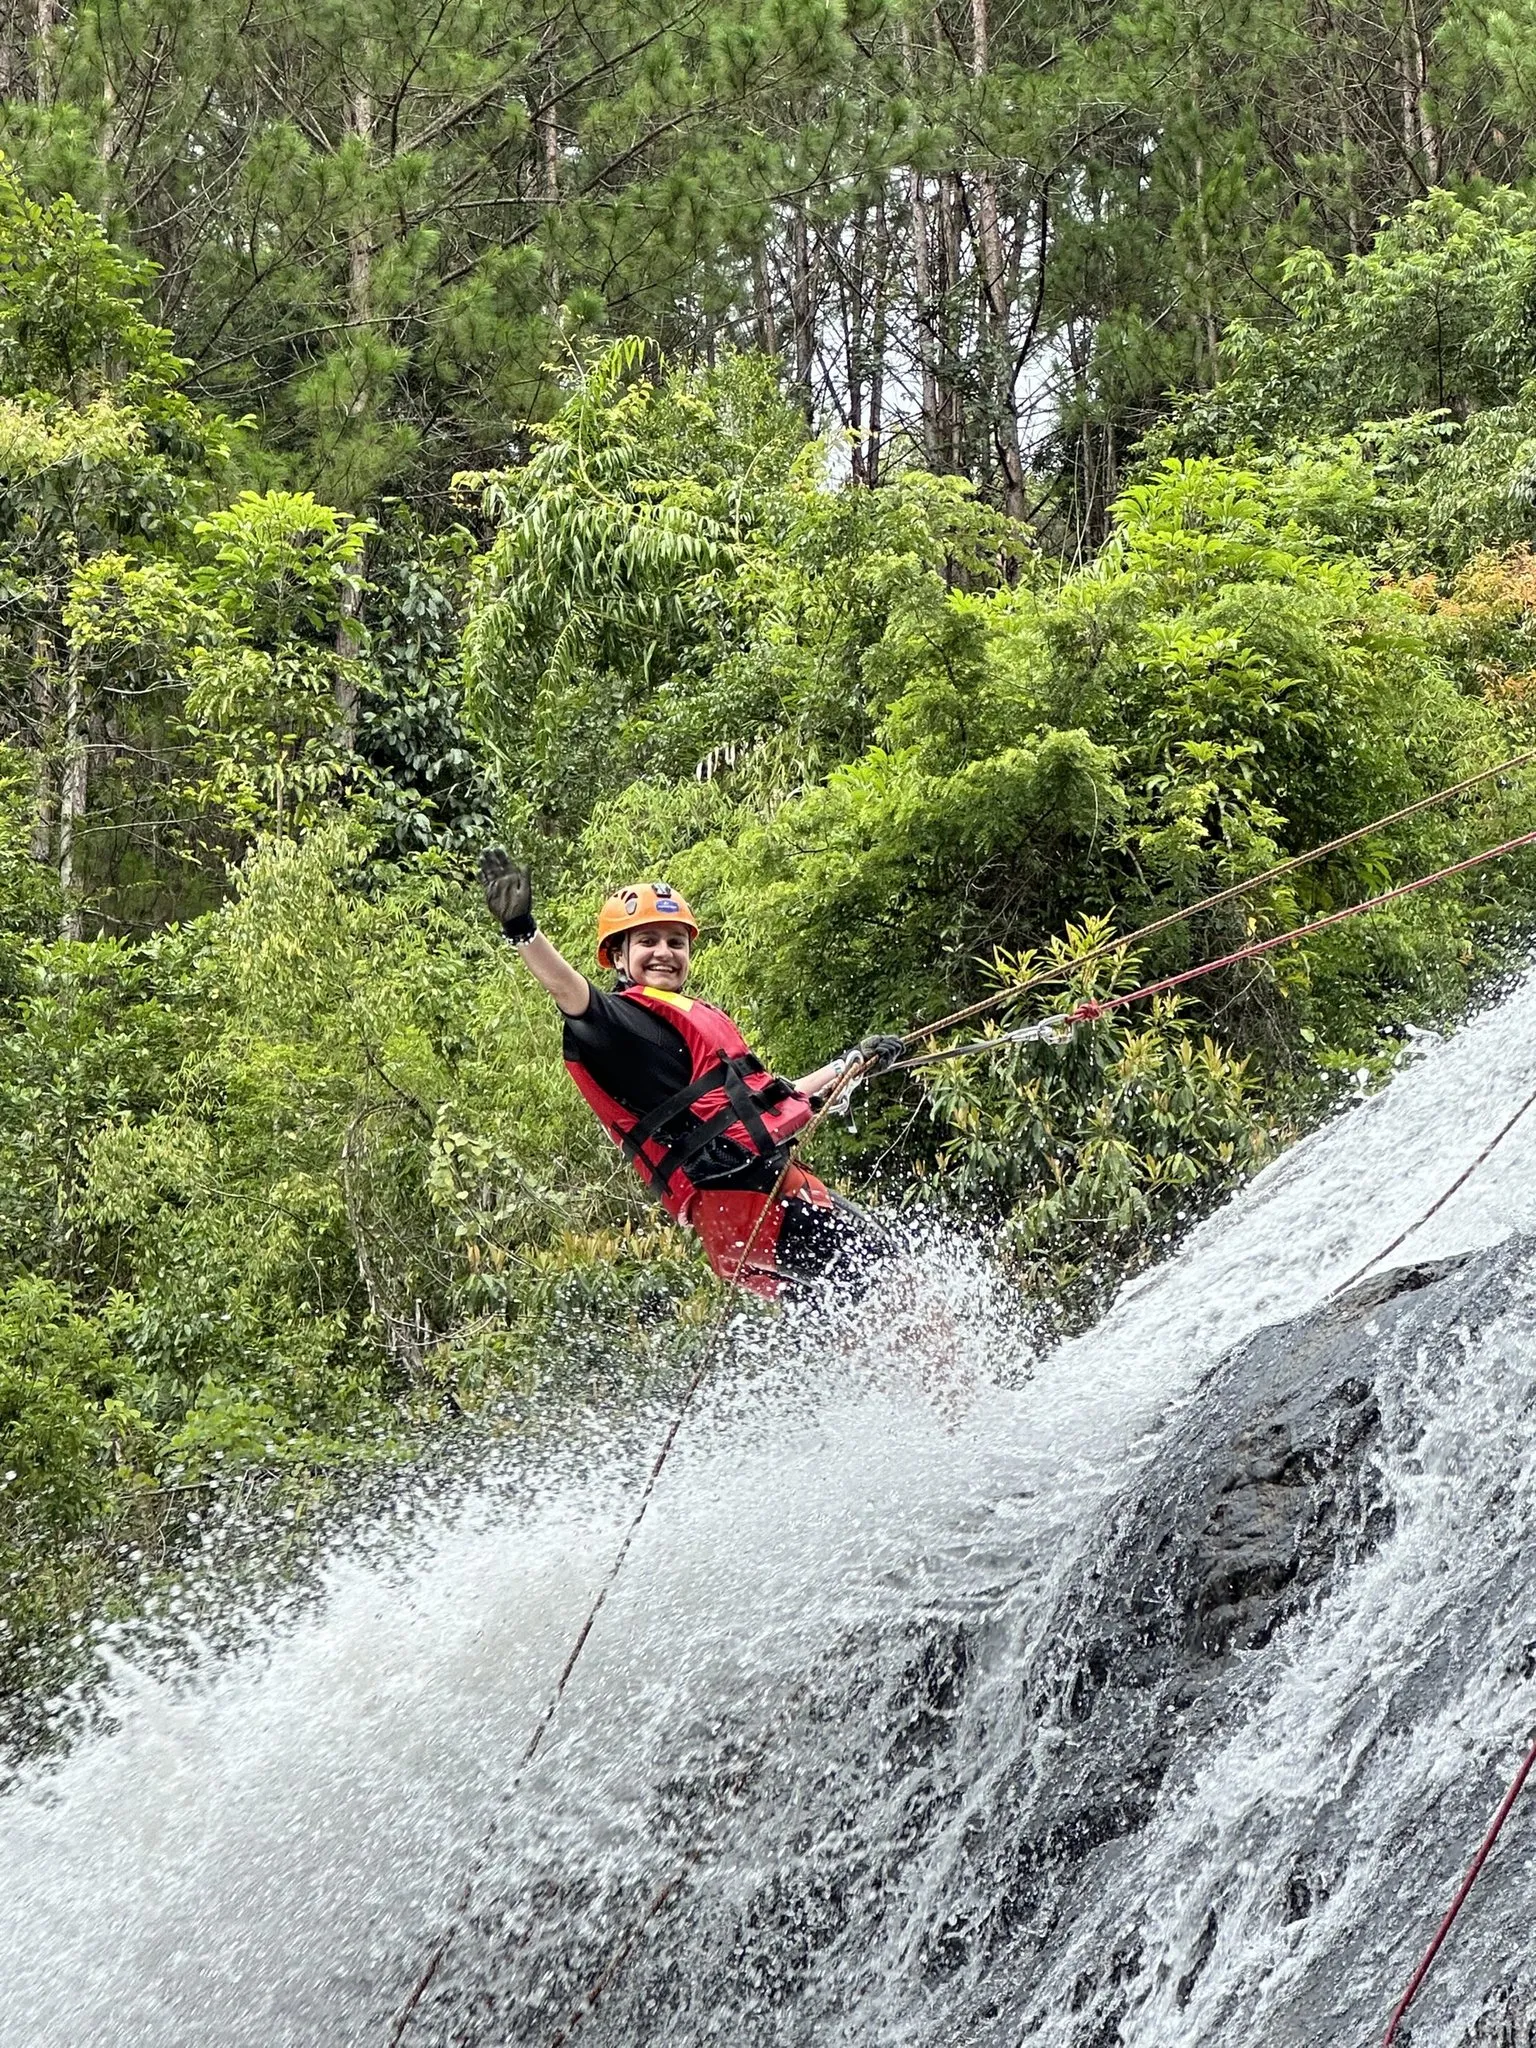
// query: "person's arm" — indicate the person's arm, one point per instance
point(873, 1055)
point(509, 898)
point(819, 1082)
point(550, 969)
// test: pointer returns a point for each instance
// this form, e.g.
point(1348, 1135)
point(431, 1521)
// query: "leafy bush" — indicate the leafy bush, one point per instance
point(1100, 1146)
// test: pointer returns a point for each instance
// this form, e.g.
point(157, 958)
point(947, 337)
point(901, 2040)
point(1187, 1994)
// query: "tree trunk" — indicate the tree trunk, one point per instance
point(952, 224)
point(922, 292)
point(927, 336)
point(997, 349)
point(1111, 467)
point(549, 152)
point(74, 789)
point(360, 227)
point(877, 345)
point(1347, 159)
point(47, 19)
point(1209, 315)
point(42, 694)
point(762, 298)
point(1427, 136)
point(349, 646)
point(800, 299)
point(853, 345)
point(1408, 102)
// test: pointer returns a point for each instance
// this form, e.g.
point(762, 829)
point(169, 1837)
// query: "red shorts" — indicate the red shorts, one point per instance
point(740, 1240)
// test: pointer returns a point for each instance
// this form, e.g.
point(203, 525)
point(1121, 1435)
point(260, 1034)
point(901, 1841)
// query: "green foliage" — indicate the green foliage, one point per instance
point(1436, 316)
point(1225, 686)
point(674, 589)
point(71, 307)
point(588, 582)
point(67, 1415)
point(278, 567)
point(428, 781)
point(1418, 359)
point(1103, 1145)
point(275, 684)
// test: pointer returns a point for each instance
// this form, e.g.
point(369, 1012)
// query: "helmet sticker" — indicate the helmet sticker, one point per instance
point(630, 898)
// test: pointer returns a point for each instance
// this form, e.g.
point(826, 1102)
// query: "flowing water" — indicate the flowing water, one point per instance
point(827, 1696)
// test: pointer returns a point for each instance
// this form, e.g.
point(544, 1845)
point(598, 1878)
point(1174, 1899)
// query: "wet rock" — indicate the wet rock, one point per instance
point(1258, 1493)
point(1507, 2021)
point(1231, 1531)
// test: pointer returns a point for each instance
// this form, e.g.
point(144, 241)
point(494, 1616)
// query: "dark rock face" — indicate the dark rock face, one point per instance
point(1236, 1524)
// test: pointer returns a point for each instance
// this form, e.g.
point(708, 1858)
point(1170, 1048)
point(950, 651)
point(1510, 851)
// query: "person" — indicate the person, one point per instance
point(676, 1086)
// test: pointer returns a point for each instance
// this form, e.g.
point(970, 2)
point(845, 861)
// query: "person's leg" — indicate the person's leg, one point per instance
point(830, 1239)
point(806, 1235)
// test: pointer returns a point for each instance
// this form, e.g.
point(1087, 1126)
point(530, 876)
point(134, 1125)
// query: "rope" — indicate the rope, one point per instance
point(667, 1890)
point(1486, 1848)
point(1436, 1206)
point(1496, 1827)
point(1090, 1011)
point(1061, 969)
point(1048, 1031)
point(1484, 1852)
point(481, 1856)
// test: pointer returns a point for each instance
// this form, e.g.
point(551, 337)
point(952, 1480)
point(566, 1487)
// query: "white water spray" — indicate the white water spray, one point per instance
point(265, 1853)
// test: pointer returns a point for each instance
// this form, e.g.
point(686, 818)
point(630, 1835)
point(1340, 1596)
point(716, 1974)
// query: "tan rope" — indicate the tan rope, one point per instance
point(481, 1856)
point(1062, 970)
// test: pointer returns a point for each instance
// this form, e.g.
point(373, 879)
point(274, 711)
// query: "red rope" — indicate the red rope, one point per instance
point(1086, 1012)
point(1530, 1761)
point(1460, 1899)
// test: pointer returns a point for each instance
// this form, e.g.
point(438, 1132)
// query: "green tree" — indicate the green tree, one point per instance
point(103, 462)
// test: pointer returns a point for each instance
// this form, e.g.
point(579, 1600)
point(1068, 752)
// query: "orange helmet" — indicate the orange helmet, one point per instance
point(641, 903)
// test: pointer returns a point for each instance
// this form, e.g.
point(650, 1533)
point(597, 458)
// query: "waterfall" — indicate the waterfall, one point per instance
point(836, 1693)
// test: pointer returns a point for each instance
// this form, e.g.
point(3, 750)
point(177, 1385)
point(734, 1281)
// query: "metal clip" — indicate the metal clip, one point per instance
point(1045, 1031)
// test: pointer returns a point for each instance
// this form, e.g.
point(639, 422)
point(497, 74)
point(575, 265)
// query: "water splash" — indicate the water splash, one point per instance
point(823, 1670)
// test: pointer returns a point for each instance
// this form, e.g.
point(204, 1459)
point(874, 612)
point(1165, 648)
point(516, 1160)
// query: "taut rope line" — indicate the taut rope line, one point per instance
point(1060, 970)
point(1088, 1011)
point(1496, 1826)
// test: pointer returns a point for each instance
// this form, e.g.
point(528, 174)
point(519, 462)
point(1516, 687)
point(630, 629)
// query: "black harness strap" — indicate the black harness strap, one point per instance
point(685, 1142)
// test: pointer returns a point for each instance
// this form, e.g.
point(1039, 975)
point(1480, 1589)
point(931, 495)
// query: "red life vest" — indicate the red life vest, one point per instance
point(730, 1094)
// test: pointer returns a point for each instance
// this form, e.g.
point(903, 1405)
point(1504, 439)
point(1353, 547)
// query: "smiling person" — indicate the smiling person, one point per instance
point(676, 1086)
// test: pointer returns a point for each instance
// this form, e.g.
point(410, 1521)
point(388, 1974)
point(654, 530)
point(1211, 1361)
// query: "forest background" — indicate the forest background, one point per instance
point(938, 483)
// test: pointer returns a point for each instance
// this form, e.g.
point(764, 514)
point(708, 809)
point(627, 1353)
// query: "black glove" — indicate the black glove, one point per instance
point(880, 1051)
point(508, 895)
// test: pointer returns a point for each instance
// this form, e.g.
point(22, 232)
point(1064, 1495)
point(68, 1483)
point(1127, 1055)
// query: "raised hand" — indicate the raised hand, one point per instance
point(508, 894)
